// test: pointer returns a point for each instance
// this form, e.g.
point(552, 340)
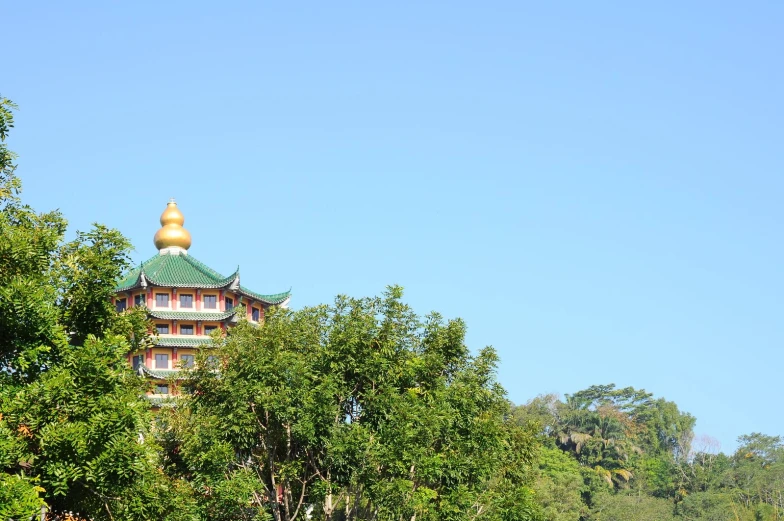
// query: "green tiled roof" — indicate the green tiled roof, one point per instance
point(177, 270)
point(276, 298)
point(163, 374)
point(167, 341)
point(191, 315)
point(159, 401)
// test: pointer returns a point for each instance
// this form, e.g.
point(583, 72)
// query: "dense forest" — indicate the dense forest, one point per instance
point(356, 410)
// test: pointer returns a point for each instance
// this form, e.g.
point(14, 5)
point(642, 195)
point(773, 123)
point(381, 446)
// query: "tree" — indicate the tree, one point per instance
point(711, 506)
point(74, 428)
point(8, 184)
point(88, 267)
point(625, 442)
point(81, 427)
point(359, 409)
point(758, 473)
point(658, 425)
point(639, 507)
point(29, 328)
point(559, 486)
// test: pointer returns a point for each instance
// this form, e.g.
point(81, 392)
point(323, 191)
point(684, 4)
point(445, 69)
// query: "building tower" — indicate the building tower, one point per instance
point(186, 300)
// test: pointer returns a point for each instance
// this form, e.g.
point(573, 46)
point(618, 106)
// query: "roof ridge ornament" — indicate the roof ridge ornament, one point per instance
point(172, 238)
point(235, 284)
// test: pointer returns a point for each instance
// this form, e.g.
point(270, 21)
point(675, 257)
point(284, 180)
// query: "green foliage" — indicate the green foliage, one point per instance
point(74, 428)
point(88, 268)
point(78, 408)
point(634, 455)
point(639, 507)
point(655, 427)
point(80, 428)
point(617, 440)
point(708, 506)
point(559, 486)
point(134, 325)
point(9, 185)
point(19, 497)
point(757, 474)
point(360, 408)
point(30, 332)
point(658, 476)
point(542, 411)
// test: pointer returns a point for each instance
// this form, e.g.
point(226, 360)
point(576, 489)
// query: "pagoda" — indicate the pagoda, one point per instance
point(186, 301)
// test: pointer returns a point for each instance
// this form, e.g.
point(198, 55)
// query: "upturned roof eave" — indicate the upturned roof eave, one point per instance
point(144, 279)
point(162, 374)
point(272, 299)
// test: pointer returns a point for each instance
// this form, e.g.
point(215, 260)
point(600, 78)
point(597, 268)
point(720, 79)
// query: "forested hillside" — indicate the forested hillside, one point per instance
point(355, 410)
point(616, 454)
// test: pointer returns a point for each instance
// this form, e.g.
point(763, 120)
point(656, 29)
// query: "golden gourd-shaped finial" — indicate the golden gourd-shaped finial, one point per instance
point(172, 233)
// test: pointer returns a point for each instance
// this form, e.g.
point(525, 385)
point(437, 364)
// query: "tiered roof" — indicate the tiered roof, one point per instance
point(181, 270)
point(174, 268)
point(162, 374)
point(192, 315)
point(182, 341)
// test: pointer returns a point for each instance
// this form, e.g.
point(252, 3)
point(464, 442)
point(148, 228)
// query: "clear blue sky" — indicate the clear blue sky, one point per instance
point(595, 188)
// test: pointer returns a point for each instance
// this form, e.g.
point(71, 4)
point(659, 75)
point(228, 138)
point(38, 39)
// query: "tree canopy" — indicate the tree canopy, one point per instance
point(359, 410)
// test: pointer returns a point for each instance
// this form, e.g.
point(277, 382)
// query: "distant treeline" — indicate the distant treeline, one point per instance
point(620, 454)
